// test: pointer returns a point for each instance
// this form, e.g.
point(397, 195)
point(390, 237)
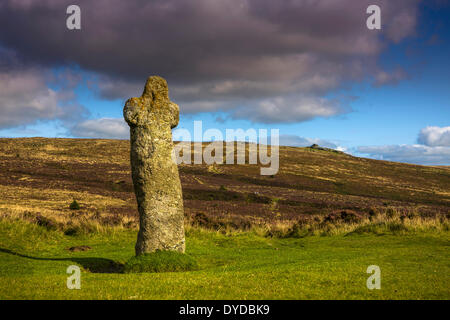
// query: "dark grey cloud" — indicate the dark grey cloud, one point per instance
point(217, 55)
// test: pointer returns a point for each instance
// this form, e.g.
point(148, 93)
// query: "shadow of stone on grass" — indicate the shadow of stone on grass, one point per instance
point(91, 264)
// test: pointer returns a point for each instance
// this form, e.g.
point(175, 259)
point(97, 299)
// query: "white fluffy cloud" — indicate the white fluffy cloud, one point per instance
point(433, 149)
point(109, 128)
point(435, 136)
point(25, 98)
point(418, 154)
point(288, 109)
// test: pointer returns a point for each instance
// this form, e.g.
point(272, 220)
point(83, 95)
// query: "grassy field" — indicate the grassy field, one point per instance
point(242, 265)
point(309, 232)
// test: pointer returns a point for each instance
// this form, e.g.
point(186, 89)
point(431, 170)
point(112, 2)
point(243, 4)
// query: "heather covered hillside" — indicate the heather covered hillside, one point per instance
point(42, 177)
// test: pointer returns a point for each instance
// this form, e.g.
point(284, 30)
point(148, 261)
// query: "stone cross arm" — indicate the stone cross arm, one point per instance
point(154, 103)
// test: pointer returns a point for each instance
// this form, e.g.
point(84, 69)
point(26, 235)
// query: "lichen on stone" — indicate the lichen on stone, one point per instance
point(155, 176)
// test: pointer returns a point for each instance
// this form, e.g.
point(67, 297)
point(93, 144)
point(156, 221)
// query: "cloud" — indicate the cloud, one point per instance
point(216, 55)
point(435, 136)
point(418, 154)
point(383, 77)
point(403, 23)
point(288, 109)
point(433, 149)
point(113, 89)
point(108, 128)
point(25, 98)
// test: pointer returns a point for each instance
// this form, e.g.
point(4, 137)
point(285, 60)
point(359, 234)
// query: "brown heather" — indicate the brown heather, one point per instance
point(316, 192)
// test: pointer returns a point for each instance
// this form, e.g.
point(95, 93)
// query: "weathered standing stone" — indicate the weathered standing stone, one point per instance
point(155, 176)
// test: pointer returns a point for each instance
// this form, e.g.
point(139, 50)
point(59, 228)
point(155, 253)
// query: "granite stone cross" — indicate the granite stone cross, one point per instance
point(155, 175)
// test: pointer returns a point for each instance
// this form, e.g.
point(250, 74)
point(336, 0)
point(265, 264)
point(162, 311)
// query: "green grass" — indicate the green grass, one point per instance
point(161, 261)
point(33, 263)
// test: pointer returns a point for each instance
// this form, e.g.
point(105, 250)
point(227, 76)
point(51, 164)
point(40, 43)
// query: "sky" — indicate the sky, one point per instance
point(311, 69)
